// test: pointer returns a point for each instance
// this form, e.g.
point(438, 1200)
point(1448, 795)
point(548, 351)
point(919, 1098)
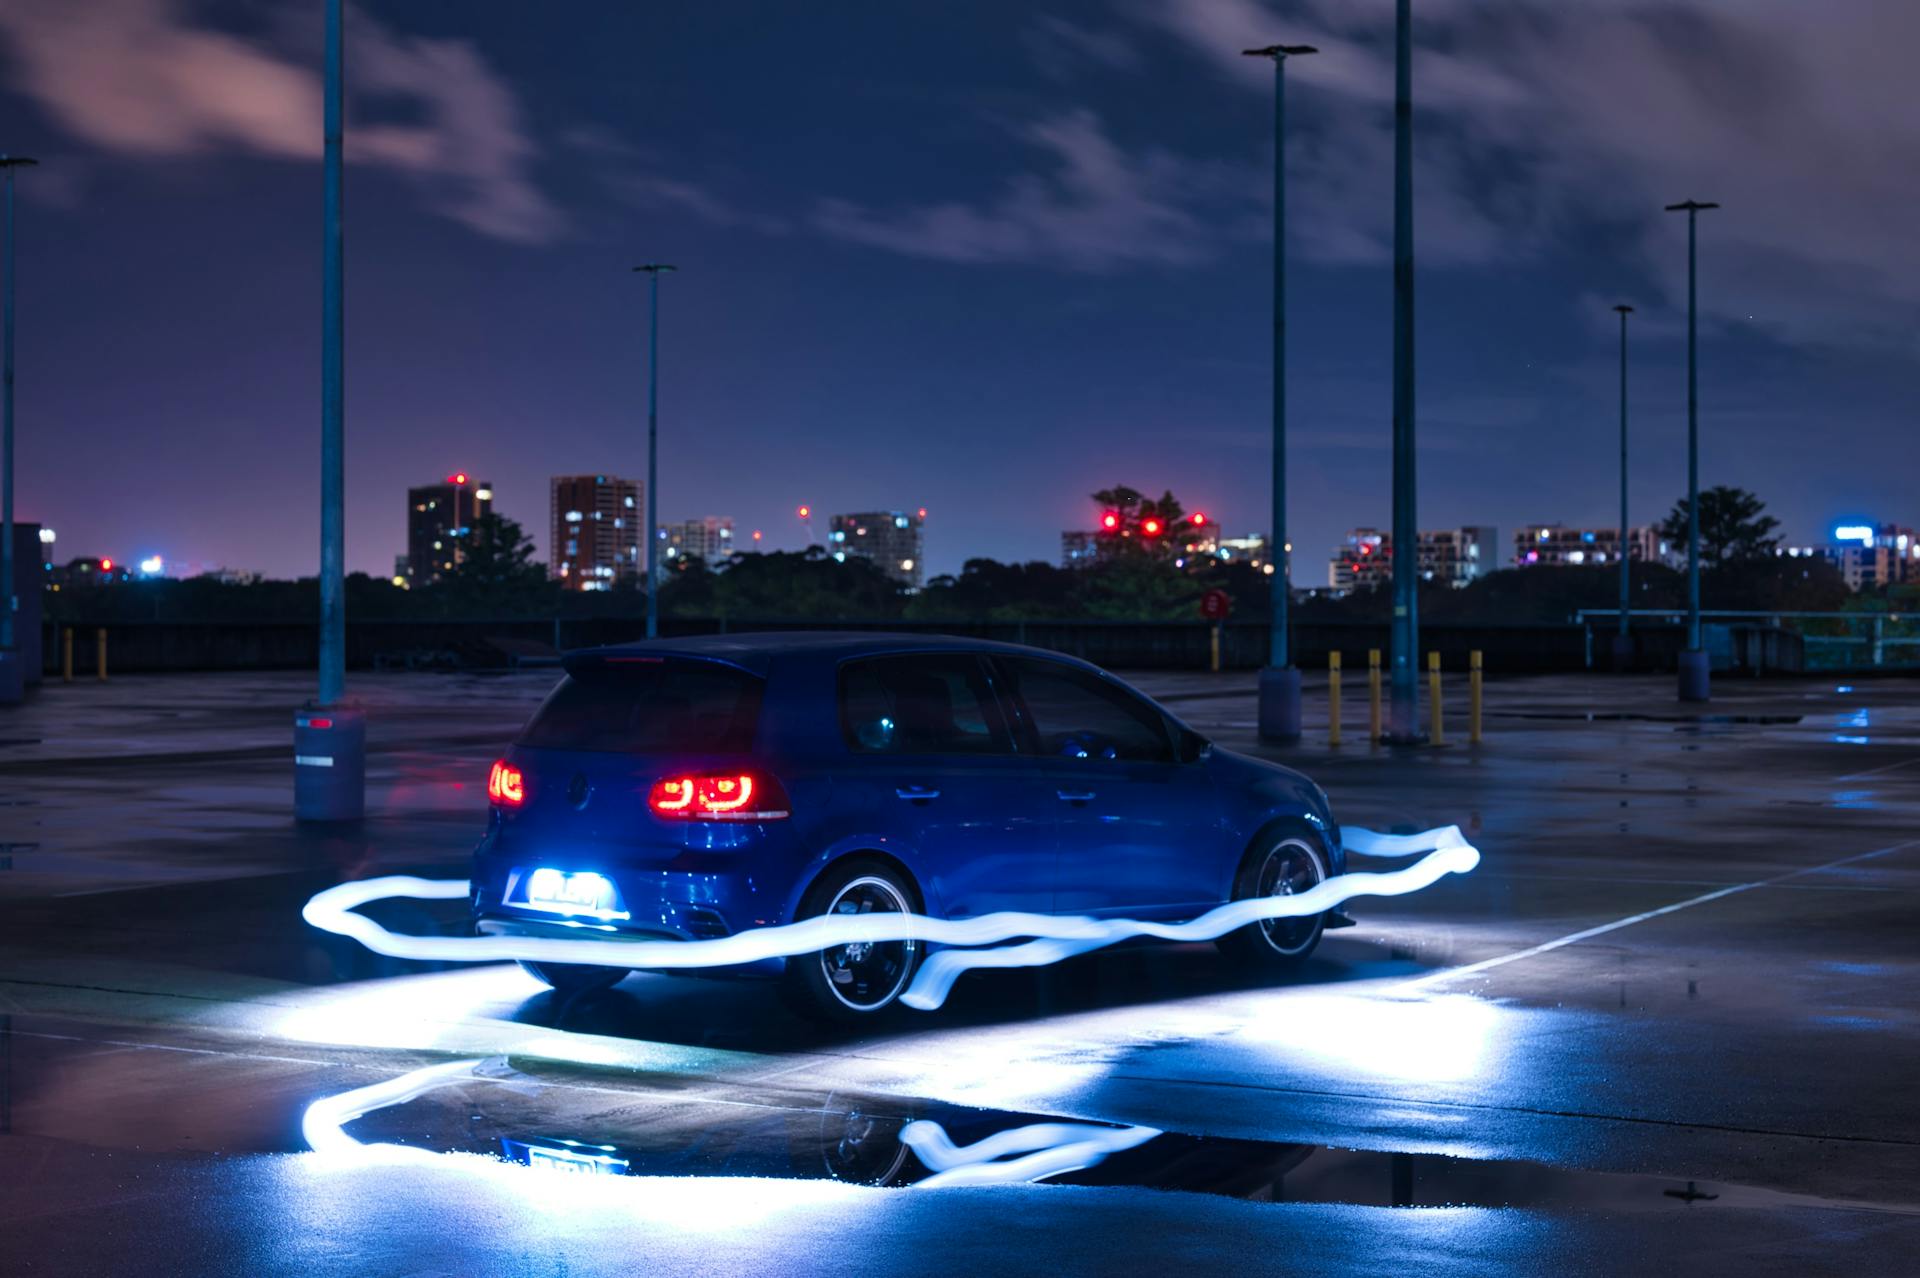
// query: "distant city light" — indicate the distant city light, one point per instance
point(46, 536)
point(900, 521)
point(923, 512)
point(106, 565)
point(806, 512)
point(1861, 533)
point(151, 566)
point(484, 494)
point(756, 534)
point(1109, 521)
point(906, 565)
point(1151, 527)
point(1199, 520)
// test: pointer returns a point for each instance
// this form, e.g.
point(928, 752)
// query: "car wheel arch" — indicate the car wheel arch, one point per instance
point(871, 855)
point(1275, 827)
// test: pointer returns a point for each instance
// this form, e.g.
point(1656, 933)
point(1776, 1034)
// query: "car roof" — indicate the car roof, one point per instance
point(756, 650)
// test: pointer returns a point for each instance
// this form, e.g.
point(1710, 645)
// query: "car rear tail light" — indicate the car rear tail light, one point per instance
point(733, 796)
point(506, 785)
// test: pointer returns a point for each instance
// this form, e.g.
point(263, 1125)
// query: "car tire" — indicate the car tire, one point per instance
point(853, 984)
point(574, 978)
point(1283, 862)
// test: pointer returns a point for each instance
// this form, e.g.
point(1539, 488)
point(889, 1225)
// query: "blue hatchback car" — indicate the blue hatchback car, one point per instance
point(693, 788)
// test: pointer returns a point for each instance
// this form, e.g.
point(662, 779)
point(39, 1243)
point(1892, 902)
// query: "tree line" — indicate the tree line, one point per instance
point(1136, 575)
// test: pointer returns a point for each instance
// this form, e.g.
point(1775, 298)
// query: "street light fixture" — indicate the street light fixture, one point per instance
point(1403, 717)
point(1694, 669)
point(653, 271)
point(13, 676)
point(329, 737)
point(1623, 642)
point(1279, 716)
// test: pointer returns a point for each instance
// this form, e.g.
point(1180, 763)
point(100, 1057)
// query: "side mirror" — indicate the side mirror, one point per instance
point(1193, 746)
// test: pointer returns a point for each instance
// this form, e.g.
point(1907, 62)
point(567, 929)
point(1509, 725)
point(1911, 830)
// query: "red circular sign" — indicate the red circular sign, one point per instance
point(1215, 605)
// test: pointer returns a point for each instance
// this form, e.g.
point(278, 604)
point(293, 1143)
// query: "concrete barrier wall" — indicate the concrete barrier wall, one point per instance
point(161, 646)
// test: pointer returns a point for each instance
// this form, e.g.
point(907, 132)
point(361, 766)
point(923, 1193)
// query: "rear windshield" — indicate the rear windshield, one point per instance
point(650, 707)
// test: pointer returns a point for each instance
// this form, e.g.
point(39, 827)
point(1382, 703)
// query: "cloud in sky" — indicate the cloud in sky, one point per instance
point(148, 78)
point(1093, 206)
point(1537, 119)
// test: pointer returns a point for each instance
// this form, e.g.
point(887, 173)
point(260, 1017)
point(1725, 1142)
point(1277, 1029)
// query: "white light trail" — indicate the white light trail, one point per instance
point(1052, 936)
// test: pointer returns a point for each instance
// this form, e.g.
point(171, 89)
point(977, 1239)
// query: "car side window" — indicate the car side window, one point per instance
point(922, 704)
point(1072, 714)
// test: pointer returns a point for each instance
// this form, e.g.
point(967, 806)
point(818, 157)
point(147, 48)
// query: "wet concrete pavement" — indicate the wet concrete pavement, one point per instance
point(1670, 1020)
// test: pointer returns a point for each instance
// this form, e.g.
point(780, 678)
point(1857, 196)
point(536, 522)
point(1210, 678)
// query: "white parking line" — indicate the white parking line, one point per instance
point(1874, 772)
point(1470, 969)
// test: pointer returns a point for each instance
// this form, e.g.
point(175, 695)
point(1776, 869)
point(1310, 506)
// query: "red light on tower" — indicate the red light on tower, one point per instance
point(1199, 520)
point(806, 512)
point(1109, 521)
point(458, 477)
point(756, 534)
point(923, 512)
point(106, 565)
point(1150, 527)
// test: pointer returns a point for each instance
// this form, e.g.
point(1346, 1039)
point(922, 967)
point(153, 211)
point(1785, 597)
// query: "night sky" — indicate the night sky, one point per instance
point(979, 257)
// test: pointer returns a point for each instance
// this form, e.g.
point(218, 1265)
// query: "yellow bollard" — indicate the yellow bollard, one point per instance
point(1373, 695)
point(100, 653)
point(1333, 698)
point(1214, 638)
point(1438, 735)
point(66, 654)
point(1473, 697)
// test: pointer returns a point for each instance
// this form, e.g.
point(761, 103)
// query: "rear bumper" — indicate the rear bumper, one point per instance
point(678, 894)
point(560, 930)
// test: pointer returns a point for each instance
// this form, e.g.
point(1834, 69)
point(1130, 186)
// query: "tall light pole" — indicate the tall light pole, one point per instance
point(1694, 678)
point(13, 678)
point(651, 498)
point(329, 736)
point(1279, 681)
point(1623, 642)
point(1403, 717)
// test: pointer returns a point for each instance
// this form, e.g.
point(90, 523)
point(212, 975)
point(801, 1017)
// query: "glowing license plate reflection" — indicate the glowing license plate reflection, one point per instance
point(578, 892)
point(567, 1156)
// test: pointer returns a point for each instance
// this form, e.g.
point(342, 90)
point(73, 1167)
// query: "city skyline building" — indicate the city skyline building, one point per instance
point(1561, 545)
point(439, 517)
point(1454, 556)
point(708, 538)
point(892, 539)
point(595, 523)
point(1873, 555)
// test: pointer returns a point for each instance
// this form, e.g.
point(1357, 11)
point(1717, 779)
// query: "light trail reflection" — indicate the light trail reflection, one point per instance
point(1019, 1155)
point(1043, 1149)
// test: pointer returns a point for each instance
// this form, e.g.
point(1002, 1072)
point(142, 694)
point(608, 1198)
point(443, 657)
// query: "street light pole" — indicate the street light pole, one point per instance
point(13, 677)
point(1694, 669)
point(1623, 642)
point(1279, 715)
point(329, 736)
point(650, 500)
point(1403, 720)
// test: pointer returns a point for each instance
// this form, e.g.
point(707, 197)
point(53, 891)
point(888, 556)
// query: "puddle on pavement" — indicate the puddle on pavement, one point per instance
point(581, 1127)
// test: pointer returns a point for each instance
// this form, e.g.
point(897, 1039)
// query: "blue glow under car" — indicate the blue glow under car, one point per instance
point(691, 789)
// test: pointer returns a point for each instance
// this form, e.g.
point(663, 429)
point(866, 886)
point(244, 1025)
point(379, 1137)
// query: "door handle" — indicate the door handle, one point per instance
point(916, 793)
point(1070, 796)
